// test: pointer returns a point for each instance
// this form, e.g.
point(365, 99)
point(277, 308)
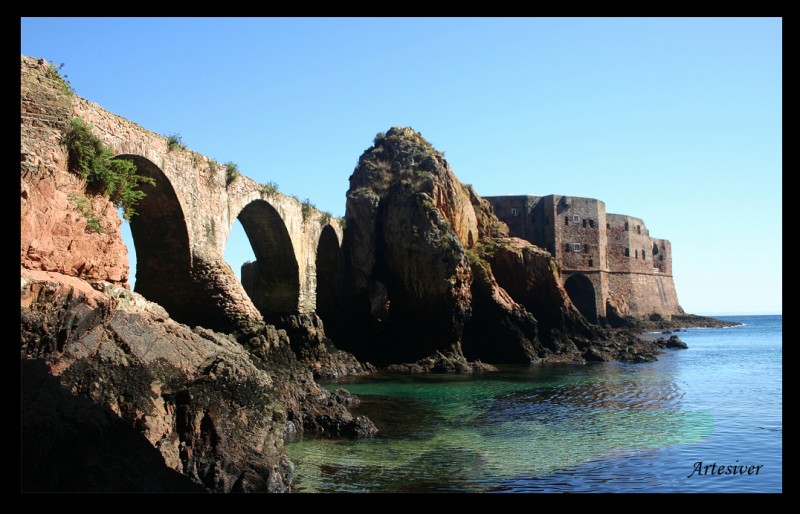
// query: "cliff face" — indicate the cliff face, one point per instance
point(62, 229)
point(407, 216)
point(429, 271)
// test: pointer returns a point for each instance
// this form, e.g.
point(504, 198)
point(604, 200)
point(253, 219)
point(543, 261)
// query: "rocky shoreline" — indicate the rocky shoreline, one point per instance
point(214, 412)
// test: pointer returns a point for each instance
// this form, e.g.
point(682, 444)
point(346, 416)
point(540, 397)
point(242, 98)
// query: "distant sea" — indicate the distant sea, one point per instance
point(599, 427)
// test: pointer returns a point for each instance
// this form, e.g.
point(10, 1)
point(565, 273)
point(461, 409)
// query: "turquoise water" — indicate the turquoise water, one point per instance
point(604, 427)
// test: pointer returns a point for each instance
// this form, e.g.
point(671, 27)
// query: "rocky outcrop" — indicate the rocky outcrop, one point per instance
point(674, 342)
point(431, 277)
point(314, 349)
point(214, 411)
point(657, 322)
point(62, 228)
point(406, 275)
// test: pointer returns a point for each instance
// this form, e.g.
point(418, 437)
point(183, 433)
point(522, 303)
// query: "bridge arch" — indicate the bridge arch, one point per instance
point(273, 283)
point(161, 243)
point(328, 276)
point(582, 293)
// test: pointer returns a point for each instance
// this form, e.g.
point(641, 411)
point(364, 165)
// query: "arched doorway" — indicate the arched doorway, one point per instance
point(581, 292)
point(273, 280)
point(161, 243)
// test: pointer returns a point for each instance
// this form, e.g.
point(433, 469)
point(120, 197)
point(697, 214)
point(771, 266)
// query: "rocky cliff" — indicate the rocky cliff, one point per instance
point(429, 272)
point(62, 228)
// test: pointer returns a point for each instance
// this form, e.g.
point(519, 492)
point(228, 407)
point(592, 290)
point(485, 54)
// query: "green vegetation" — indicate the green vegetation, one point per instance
point(81, 203)
point(325, 218)
point(270, 189)
point(94, 161)
point(472, 257)
point(53, 71)
point(307, 208)
point(343, 222)
point(231, 172)
point(175, 141)
point(487, 248)
point(378, 139)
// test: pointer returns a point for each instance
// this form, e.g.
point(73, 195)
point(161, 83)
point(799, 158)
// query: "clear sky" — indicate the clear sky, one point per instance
point(675, 121)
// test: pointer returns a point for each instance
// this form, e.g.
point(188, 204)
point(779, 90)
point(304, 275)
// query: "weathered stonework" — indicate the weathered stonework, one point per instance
point(183, 224)
point(610, 266)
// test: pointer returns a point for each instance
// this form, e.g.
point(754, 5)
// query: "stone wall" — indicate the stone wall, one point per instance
point(628, 269)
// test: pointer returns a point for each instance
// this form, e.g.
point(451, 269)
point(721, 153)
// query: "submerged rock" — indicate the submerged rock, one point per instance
point(673, 342)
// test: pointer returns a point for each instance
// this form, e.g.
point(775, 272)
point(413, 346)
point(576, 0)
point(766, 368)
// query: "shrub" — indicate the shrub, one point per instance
point(325, 218)
point(378, 139)
point(82, 204)
point(270, 189)
point(231, 172)
point(472, 257)
point(306, 208)
point(94, 161)
point(53, 71)
point(175, 141)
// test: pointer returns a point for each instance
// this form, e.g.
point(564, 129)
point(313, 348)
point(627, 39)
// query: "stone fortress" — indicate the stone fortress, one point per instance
point(610, 266)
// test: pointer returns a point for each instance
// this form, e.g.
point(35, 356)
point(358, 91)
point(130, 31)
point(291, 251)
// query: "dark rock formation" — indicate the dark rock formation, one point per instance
point(215, 412)
point(656, 322)
point(311, 347)
point(430, 276)
point(673, 342)
point(406, 275)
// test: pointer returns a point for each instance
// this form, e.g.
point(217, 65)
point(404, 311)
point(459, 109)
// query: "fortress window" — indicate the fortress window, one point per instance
point(644, 258)
point(661, 258)
point(639, 229)
point(626, 225)
point(566, 220)
point(591, 223)
point(567, 247)
point(636, 253)
point(591, 263)
point(655, 249)
point(576, 247)
point(584, 222)
point(515, 212)
point(627, 252)
point(585, 248)
point(576, 218)
point(608, 225)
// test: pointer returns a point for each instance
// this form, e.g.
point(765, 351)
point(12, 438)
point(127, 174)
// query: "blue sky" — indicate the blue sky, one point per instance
point(676, 121)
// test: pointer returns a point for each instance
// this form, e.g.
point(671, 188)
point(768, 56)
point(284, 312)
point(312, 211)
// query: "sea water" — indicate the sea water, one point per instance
point(598, 427)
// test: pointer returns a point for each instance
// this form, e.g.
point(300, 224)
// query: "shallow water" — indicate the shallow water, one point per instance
point(604, 427)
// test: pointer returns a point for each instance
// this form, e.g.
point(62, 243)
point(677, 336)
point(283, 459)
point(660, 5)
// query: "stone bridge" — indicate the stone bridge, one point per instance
point(183, 224)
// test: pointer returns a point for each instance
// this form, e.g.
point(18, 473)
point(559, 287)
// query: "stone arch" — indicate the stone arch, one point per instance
point(161, 243)
point(327, 266)
point(582, 293)
point(273, 281)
